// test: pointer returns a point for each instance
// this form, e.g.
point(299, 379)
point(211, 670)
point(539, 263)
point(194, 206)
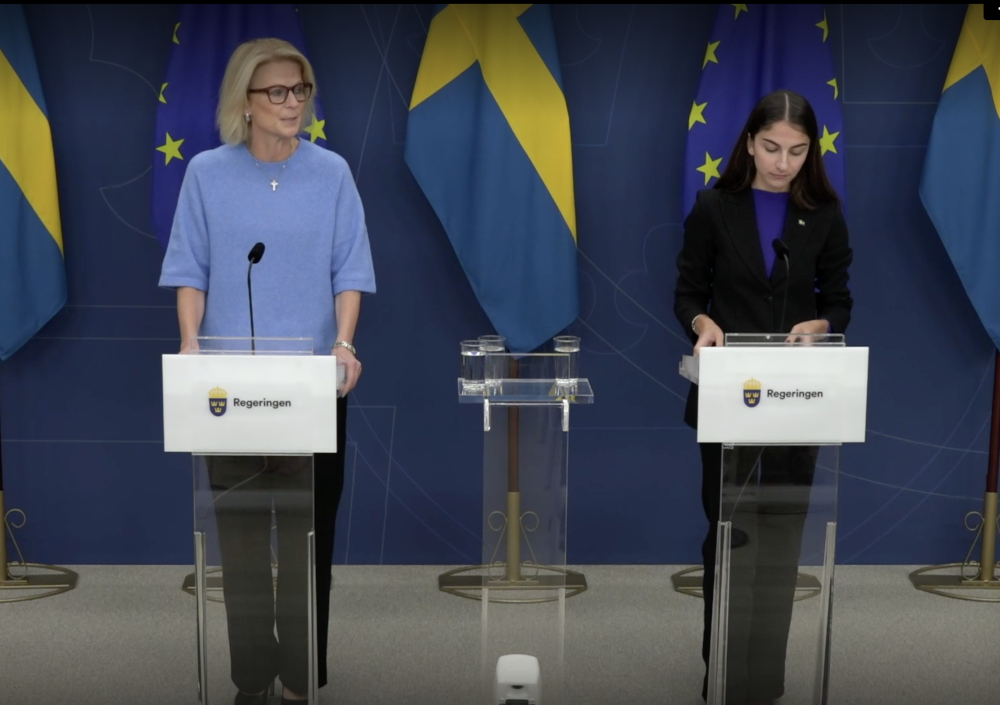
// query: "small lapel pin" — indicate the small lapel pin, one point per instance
point(801, 222)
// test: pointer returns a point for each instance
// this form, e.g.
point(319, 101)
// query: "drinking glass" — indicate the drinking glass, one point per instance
point(473, 367)
point(568, 347)
point(495, 363)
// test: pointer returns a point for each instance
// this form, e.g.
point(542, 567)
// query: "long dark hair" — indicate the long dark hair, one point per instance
point(810, 187)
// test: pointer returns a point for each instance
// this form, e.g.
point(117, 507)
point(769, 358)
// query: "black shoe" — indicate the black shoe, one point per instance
point(286, 701)
point(244, 699)
point(738, 539)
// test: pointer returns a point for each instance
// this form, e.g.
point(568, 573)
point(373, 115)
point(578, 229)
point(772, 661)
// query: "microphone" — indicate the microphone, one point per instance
point(256, 252)
point(781, 249)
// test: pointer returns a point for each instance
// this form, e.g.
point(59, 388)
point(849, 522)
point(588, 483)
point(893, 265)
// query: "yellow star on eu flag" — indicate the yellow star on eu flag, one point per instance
point(710, 168)
point(697, 114)
point(824, 26)
point(739, 9)
point(163, 88)
point(710, 54)
point(315, 129)
point(172, 149)
point(836, 91)
point(826, 142)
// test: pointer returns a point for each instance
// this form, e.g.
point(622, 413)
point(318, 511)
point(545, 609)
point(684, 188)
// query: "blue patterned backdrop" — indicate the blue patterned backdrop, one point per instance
point(82, 439)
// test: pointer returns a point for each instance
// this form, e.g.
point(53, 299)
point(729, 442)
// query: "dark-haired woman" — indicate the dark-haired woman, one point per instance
point(774, 187)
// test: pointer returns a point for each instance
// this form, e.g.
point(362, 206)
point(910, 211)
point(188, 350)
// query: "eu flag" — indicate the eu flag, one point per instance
point(32, 267)
point(961, 179)
point(755, 50)
point(204, 38)
point(488, 141)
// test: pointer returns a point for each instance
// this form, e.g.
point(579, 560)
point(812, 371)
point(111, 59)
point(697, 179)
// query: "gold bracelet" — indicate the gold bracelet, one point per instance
point(345, 344)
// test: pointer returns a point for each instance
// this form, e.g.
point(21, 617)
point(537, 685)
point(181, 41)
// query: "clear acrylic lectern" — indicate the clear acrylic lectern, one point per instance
point(252, 412)
point(523, 580)
point(779, 411)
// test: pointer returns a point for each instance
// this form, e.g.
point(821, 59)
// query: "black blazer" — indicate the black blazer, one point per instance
point(721, 271)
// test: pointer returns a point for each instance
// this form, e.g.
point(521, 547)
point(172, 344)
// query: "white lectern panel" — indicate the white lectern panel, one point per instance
point(782, 395)
point(256, 404)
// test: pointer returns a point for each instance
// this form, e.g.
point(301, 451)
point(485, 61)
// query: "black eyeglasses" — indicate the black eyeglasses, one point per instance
point(279, 94)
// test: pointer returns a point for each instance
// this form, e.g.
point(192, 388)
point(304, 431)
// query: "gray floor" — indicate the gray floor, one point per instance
point(127, 635)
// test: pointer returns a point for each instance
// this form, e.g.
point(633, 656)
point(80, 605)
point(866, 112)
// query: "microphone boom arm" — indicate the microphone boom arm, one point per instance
point(253, 346)
point(256, 252)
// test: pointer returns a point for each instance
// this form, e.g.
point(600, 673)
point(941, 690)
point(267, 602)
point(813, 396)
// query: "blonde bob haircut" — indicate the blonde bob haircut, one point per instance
point(233, 98)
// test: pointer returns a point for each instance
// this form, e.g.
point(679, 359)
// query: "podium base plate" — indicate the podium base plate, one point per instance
point(464, 582)
point(687, 583)
point(213, 585)
point(34, 586)
point(946, 585)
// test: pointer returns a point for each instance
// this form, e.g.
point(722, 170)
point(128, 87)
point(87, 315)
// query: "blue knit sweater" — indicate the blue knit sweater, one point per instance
point(312, 226)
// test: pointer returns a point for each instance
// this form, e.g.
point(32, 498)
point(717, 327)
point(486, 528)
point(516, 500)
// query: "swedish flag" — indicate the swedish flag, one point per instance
point(961, 178)
point(488, 140)
point(204, 37)
point(32, 266)
point(755, 50)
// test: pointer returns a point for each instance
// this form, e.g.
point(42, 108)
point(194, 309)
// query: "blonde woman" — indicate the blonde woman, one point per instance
point(265, 184)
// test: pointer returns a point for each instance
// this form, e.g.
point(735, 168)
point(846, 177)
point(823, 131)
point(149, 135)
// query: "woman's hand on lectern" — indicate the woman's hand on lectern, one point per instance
point(709, 334)
point(352, 368)
point(188, 346)
point(803, 332)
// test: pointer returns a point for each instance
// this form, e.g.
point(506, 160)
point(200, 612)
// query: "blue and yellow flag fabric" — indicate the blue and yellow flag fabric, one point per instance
point(204, 37)
point(32, 265)
point(488, 140)
point(754, 50)
point(960, 187)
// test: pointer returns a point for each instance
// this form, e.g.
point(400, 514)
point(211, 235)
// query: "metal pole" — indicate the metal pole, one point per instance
point(513, 488)
point(4, 574)
point(200, 599)
point(988, 560)
point(720, 616)
point(826, 616)
point(484, 681)
point(313, 646)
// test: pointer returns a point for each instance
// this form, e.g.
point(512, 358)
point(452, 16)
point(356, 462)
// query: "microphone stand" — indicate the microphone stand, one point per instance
point(784, 300)
point(781, 250)
point(253, 345)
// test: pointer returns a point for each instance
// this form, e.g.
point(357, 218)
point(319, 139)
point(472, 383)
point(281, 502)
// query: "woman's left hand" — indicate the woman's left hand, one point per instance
point(352, 368)
point(801, 332)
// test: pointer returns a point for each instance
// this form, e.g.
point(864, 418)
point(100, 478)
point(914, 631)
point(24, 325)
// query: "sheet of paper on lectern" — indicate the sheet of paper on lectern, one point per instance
point(689, 368)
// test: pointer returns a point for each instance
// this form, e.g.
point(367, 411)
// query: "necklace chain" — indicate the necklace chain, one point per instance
point(274, 182)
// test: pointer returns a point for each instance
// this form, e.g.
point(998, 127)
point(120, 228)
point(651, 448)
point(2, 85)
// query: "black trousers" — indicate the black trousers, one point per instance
point(244, 490)
point(766, 495)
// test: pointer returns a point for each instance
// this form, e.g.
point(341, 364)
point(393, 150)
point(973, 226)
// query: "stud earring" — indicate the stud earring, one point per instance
point(246, 117)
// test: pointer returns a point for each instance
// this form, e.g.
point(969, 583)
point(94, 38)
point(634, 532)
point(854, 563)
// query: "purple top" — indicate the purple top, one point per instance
point(771, 209)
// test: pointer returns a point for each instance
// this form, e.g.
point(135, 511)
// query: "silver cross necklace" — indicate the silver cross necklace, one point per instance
point(274, 182)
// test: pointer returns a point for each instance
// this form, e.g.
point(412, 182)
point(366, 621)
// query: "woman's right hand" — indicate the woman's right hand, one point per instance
point(709, 334)
point(189, 346)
